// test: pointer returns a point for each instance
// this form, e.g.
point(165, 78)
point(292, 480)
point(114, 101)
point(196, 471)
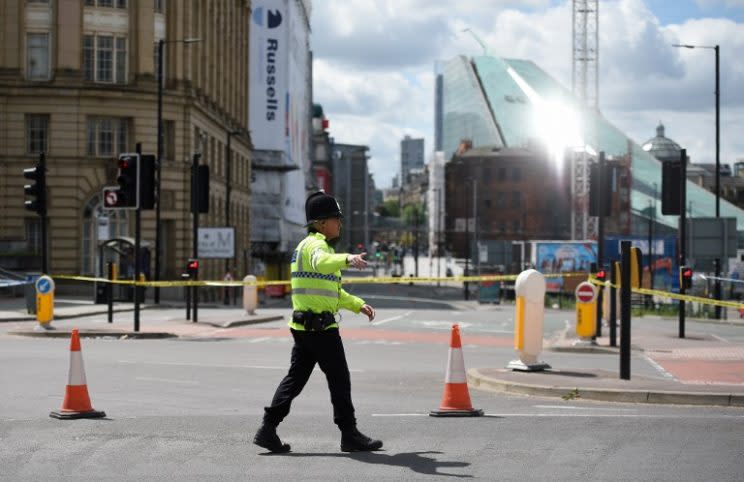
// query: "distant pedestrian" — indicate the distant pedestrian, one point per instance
point(317, 296)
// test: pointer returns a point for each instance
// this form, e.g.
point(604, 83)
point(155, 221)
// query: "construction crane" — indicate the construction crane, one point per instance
point(585, 86)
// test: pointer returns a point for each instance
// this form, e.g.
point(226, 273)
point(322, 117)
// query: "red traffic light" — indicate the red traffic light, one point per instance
point(601, 275)
point(193, 264)
point(687, 272)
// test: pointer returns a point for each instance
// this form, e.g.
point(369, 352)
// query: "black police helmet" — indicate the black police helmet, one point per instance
point(320, 205)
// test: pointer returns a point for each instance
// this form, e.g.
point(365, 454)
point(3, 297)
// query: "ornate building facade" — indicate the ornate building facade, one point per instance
point(78, 81)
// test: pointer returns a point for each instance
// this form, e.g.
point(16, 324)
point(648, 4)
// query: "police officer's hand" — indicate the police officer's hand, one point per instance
point(357, 260)
point(369, 311)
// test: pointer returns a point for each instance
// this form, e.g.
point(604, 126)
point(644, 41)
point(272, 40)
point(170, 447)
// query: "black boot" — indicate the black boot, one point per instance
point(267, 438)
point(353, 440)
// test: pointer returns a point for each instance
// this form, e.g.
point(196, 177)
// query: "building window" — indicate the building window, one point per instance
point(159, 6)
point(517, 174)
point(107, 136)
point(502, 174)
point(37, 133)
point(37, 56)
point(121, 60)
point(169, 140)
point(106, 3)
point(516, 199)
point(105, 58)
point(38, 1)
point(516, 226)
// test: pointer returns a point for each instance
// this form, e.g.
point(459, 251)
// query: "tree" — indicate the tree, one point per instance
point(390, 208)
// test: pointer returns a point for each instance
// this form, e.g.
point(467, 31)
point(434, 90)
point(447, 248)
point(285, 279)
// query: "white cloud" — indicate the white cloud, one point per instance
point(374, 64)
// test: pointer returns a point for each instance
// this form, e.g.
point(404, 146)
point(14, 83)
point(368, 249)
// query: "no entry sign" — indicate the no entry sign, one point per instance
point(585, 293)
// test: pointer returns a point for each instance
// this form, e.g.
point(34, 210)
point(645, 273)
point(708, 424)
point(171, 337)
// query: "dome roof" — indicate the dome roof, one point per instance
point(662, 147)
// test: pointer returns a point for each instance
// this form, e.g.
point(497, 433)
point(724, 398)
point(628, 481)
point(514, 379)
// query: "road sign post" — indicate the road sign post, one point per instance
point(44, 302)
point(586, 309)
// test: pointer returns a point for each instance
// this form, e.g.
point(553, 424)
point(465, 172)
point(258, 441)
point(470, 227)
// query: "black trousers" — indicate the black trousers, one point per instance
point(327, 350)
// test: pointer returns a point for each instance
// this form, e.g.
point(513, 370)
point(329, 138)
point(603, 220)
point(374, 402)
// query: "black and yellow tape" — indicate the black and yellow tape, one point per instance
point(673, 296)
point(349, 280)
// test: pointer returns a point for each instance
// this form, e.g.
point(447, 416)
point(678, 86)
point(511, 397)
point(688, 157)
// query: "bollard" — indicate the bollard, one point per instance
point(44, 302)
point(528, 321)
point(250, 295)
point(586, 309)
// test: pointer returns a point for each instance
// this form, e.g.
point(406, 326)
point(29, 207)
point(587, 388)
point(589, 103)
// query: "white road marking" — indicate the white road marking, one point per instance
point(210, 365)
point(571, 407)
point(719, 338)
point(167, 380)
point(659, 368)
point(259, 340)
point(575, 415)
point(393, 318)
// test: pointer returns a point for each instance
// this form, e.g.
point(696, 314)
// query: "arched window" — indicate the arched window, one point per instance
point(100, 225)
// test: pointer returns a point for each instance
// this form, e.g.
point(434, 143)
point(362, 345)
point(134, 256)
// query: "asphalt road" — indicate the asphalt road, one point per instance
point(187, 409)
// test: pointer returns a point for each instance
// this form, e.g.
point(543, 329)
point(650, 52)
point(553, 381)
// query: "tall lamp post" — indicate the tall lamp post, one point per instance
point(159, 163)
point(228, 183)
point(717, 261)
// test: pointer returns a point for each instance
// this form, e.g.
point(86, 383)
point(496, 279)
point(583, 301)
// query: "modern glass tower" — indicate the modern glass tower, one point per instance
point(513, 103)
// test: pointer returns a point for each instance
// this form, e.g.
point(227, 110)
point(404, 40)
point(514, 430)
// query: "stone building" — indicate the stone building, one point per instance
point(78, 82)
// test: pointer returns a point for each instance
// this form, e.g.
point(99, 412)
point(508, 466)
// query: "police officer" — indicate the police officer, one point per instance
point(317, 296)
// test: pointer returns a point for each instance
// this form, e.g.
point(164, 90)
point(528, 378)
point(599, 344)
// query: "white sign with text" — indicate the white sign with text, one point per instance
point(217, 243)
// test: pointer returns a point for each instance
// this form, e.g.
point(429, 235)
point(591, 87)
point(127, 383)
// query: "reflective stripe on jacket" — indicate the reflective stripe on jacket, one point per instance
point(316, 280)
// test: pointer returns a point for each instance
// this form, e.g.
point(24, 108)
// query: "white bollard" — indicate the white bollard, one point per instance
point(528, 321)
point(250, 295)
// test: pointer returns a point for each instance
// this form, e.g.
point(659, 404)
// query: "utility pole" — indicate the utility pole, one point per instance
point(682, 233)
point(137, 237)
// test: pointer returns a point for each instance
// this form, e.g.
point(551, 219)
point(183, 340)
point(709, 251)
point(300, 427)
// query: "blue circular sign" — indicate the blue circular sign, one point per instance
point(44, 285)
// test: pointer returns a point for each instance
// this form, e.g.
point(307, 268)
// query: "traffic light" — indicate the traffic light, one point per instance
point(192, 268)
point(685, 277)
point(37, 191)
point(199, 186)
point(128, 181)
point(670, 174)
point(147, 181)
point(600, 189)
point(601, 275)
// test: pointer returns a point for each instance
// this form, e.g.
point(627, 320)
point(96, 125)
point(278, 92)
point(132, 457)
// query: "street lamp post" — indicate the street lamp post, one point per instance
point(717, 261)
point(228, 191)
point(159, 163)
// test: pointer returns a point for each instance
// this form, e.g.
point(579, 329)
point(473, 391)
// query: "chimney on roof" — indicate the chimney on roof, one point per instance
point(465, 146)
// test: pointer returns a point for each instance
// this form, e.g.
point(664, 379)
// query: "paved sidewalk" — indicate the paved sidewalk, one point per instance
point(156, 321)
point(701, 369)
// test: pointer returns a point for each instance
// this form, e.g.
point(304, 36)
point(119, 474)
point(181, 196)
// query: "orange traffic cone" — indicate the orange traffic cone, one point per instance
point(456, 398)
point(77, 402)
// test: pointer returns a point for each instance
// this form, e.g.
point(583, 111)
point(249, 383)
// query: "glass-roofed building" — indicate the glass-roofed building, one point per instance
point(494, 101)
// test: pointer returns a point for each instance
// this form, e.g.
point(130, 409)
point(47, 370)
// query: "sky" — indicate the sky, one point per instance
point(373, 69)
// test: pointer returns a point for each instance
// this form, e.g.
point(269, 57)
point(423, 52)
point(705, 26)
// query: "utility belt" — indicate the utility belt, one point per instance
point(313, 321)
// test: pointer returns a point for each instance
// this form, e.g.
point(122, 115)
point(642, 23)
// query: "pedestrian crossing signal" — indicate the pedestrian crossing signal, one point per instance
point(685, 277)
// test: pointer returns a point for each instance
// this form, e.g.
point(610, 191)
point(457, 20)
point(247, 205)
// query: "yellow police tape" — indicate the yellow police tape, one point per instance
point(672, 296)
point(350, 280)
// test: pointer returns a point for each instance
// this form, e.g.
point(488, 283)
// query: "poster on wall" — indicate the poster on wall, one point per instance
point(563, 257)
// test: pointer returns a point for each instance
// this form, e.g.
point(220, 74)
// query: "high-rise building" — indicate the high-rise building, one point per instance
point(353, 188)
point(78, 82)
point(411, 157)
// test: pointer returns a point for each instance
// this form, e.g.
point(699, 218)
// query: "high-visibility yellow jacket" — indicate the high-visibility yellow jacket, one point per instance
point(316, 280)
